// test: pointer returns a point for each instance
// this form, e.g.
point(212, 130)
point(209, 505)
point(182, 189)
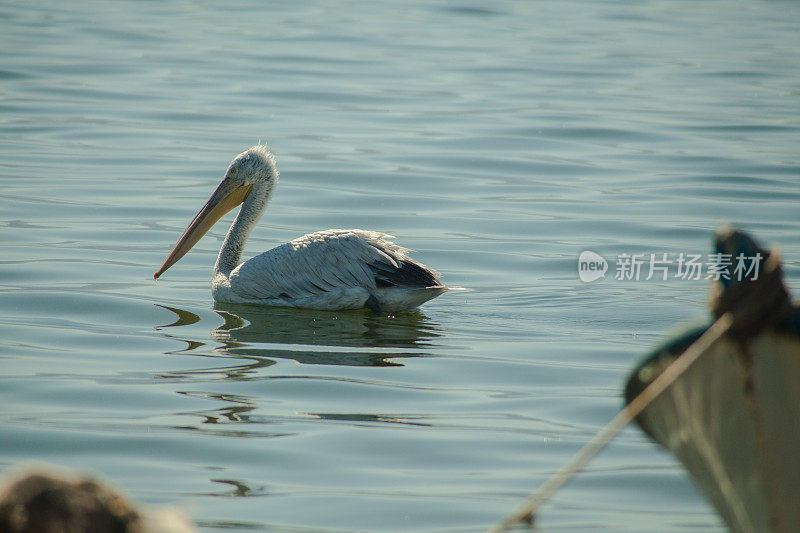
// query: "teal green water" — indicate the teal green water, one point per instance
point(499, 141)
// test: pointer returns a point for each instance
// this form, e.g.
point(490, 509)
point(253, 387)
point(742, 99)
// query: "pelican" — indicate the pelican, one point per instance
point(329, 270)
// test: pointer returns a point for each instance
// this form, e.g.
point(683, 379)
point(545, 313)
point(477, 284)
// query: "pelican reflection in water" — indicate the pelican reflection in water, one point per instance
point(257, 326)
point(328, 270)
point(258, 335)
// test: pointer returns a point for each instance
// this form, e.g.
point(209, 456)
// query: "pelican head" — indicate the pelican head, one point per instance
point(252, 170)
point(256, 165)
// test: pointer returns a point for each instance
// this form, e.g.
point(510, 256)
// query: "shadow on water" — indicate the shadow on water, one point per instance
point(263, 334)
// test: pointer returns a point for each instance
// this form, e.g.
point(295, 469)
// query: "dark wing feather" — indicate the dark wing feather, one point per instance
point(408, 274)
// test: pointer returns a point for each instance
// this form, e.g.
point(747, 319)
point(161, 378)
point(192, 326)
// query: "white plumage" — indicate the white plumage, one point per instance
point(332, 269)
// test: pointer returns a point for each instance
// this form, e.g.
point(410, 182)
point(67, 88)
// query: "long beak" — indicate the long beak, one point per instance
point(228, 195)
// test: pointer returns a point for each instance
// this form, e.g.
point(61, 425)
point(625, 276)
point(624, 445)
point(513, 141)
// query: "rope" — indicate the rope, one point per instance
point(525, 514)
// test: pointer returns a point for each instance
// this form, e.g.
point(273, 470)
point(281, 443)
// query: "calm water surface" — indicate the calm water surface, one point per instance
point(497, 140)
